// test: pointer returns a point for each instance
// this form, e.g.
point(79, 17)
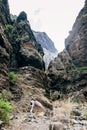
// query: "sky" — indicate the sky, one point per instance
point(55, 17)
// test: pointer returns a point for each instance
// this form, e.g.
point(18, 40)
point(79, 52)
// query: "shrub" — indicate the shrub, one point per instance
point(76, 100)
point(9, 28)
point(12, 77)
point(5, 109)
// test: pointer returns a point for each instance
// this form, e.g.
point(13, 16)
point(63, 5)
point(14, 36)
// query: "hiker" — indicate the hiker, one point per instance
point(32, 102)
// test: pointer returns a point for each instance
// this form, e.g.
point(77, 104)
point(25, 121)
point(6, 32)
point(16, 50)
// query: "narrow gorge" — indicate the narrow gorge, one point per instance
point(31, 67)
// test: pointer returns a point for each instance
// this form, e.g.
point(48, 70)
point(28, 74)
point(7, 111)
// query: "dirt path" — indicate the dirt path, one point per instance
point(25, 121)
point(66, 115)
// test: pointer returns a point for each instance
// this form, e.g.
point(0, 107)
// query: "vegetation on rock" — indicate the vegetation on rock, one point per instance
point(5, 109)
point(12, 78)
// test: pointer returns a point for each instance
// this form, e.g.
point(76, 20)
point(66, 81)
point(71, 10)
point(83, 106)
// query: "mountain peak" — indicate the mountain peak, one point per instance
point(22, 16)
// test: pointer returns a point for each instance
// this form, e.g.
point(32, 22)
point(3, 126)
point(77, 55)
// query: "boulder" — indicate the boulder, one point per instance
point(39, 109)
point(56, 126)
point(46, 103)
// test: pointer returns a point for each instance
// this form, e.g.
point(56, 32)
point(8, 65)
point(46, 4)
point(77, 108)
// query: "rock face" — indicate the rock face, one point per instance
point(45, 41)
point(76, 42)
point(4, 59)
point(18, 48)
point(5, 47)
point(50, 52)
point(4, 12)
point(26, 51)
point(66, 78)
point(22, 53)
point(60, 72)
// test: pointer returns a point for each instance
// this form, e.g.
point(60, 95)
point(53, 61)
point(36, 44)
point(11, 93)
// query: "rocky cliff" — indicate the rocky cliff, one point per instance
point(50, 52)
point(23, 75)
point(22, 53)
point(66, 79)
point(45, 41)
point(4, 12)
point(26, 49)
point(18, 49)
point(68, 71)
point(5, 47)
point(76, 42)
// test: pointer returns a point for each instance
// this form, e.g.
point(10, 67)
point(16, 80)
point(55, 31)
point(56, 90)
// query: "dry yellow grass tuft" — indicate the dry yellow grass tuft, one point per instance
point(63, 106)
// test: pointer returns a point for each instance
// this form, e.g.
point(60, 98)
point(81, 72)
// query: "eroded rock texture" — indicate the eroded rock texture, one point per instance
point(4, 12)
point(5, 47)
point(66, 78)
point(76, 42)
point(26, 51)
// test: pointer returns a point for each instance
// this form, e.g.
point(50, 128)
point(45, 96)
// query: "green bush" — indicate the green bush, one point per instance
point(5, 109)
point(9, 28)
point(13, 77)
point(76, 100)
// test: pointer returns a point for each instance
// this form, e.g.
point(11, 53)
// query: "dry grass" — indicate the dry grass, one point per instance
point(63, 107)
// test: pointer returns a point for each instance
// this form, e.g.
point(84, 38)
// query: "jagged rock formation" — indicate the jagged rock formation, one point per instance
point(66, 78)
point(4, 59)
point(5, 47)
point(26, 49)
point(45, 41)
point(50, 52)
point(60, 71)
point(4, 12)
point(20, 52)
point(19, 48)
point(76, 43)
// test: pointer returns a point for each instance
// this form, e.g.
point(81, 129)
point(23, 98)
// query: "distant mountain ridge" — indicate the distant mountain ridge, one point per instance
point(45, 41)
point(50, 52)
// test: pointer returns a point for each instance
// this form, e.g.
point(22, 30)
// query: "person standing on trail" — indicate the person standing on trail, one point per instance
point(32, 103)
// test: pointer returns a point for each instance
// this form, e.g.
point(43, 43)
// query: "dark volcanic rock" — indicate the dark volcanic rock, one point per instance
point(5, 47)
point(4, 12)
point(4, 59)
point(22, 16)
point(76, 43)
point(35, 81)
point(60, 72)
point(66, 79)
point(29, 56)
point(26, 50)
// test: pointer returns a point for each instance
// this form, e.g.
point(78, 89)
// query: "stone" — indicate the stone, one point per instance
point(77, 112)
point(39, 108)
point(56, 126)
point(46, 103)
